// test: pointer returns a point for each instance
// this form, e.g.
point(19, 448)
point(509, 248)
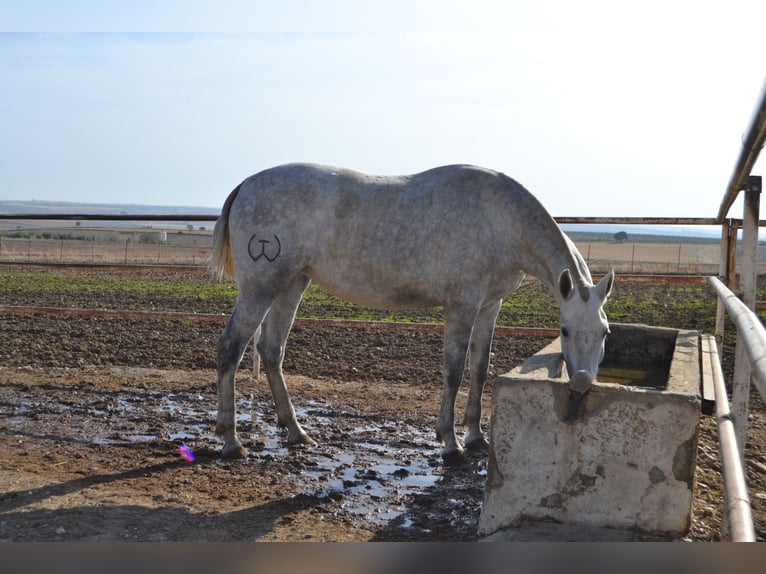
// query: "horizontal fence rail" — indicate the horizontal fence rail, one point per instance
point(752, 144)
point(107, 217)
point(751, 332)
point(209, 217)
point(750, 329)
point(112, 267)
point(739, 516)
point(301, 321)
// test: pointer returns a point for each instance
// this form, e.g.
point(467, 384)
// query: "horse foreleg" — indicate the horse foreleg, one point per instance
point(479, 353)
point(271, 346)
point(457, 332)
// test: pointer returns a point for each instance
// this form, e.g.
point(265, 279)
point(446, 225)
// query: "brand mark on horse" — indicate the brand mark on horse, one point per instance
point(255, 256)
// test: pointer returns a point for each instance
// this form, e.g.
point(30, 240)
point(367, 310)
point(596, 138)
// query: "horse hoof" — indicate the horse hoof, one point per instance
point(478, 445)
point(302, 438)
point(234, 451)
point(454, 458)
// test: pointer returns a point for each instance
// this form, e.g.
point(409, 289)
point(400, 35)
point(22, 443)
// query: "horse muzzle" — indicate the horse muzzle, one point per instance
point(579, 385)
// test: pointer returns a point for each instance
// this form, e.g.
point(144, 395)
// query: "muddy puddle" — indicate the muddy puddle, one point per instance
point(374, 467)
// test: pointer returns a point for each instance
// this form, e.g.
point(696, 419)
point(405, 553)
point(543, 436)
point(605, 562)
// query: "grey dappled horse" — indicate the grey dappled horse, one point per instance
point(458, 236)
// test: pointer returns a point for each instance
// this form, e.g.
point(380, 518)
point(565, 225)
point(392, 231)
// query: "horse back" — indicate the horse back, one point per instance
point(422, 236)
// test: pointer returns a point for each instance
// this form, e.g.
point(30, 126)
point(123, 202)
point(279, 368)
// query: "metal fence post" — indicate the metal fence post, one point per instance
point(633, 259)
point(727, 271)
point(740, 394)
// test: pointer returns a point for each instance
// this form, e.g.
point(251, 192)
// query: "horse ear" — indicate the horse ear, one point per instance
point(604, 287)
point(566, 287)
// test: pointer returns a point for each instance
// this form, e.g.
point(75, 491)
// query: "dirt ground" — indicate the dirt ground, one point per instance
point(89, 441)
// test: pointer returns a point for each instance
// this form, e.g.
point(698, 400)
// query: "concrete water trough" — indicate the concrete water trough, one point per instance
point(625, 459)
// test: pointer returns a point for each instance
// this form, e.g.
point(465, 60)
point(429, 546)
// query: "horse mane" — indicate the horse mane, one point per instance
point(583, 278)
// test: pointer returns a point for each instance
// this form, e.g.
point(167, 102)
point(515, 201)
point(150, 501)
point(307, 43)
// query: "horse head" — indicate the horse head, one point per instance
point(584, 328)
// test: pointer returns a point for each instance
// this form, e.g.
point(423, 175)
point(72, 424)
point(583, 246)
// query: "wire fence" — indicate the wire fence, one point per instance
point(184, 248)
point(139, 248)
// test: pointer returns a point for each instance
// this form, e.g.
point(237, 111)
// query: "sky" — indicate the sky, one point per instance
point(599, 108)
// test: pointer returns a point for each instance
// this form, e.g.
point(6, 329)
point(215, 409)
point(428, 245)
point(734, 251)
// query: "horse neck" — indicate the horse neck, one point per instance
point(549, 255)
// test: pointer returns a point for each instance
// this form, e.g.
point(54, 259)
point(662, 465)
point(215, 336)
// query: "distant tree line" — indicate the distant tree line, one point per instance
point(43, 235)
point(586, 236)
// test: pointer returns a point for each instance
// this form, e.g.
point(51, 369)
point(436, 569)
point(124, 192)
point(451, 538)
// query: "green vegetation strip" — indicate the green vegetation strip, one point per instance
point(679, 306)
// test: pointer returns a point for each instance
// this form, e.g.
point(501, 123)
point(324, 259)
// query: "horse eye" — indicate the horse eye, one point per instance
point(565, 332)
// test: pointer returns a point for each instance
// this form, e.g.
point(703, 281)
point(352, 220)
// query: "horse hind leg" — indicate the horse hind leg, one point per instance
point(457, 333)
point(271, 346)
point(231, 345)
point(479, 354)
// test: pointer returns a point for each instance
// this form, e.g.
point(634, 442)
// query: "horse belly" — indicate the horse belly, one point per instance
point(376, 291)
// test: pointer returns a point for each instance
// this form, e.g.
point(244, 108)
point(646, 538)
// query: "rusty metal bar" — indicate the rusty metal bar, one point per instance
point(198, 217)
point(435, 327)
point(712, 221)
point(739, 519)
point(305, 321)
point(106, 217)
point(120, 313)
point(654, 278)
point(121, 267)
point(753, 142)
point(638, 220)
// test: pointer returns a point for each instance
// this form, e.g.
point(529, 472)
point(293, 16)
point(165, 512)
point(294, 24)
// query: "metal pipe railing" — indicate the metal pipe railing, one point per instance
point(739, 517)
point(752, 143)
point(752, 335)
point(750, 329)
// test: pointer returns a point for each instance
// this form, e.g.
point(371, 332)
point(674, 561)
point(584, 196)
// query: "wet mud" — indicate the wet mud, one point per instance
point(376, 473)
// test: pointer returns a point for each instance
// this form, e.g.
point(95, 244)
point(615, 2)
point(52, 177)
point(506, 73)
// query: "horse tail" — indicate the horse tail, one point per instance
point(221, 265)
